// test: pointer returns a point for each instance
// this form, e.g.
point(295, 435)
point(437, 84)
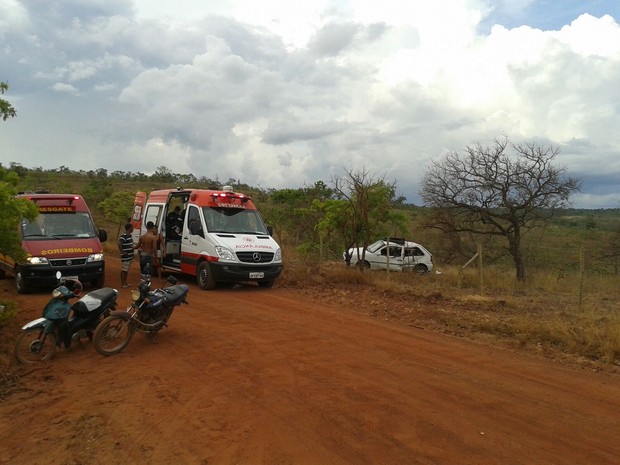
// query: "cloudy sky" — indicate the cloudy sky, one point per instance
point(280, 93)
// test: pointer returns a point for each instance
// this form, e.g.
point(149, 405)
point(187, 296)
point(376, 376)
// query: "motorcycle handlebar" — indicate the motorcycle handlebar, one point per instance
point(74, 285)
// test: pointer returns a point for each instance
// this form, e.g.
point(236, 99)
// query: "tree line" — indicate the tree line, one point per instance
point(501, 190)
point(350, 210)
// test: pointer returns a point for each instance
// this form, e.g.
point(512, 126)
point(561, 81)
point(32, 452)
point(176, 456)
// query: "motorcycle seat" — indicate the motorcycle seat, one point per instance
point(175, 294)
point(94, 300)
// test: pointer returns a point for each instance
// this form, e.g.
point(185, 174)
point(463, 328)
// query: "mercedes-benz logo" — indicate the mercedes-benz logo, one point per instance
point(69, 262)
point(256, 257)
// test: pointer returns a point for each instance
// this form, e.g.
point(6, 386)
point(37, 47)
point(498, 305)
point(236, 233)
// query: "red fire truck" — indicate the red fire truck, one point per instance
point(62, 238)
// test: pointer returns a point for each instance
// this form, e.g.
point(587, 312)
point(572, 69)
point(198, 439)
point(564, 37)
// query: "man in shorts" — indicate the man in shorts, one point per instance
point(148, 250)
point(125, 247)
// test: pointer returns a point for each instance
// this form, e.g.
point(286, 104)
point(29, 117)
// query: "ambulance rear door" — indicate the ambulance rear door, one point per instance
point(137, 214)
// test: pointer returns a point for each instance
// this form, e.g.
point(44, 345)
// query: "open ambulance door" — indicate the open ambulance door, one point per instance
point(137, 215)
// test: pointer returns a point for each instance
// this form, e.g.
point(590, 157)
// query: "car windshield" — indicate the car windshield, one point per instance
point(234, 221)
point(375, 246)
point(58, 226)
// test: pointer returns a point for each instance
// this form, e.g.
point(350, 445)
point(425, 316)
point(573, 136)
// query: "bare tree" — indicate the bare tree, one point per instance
point(499, 190)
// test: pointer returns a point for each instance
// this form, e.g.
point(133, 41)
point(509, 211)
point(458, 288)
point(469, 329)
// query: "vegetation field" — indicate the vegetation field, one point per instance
point(568, 303)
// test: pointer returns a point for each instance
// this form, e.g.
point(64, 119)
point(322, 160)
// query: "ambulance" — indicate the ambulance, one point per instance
point(62, 238)
point(218, 236)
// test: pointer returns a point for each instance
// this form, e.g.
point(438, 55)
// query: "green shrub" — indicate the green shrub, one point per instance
point(8, 310)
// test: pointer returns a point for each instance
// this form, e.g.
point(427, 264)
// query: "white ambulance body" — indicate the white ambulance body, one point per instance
point(217, 236)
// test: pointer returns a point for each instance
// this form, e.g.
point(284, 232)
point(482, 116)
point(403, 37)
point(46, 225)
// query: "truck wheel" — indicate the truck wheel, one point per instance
point(204, 277)
point(20, 283)
point(98, 283)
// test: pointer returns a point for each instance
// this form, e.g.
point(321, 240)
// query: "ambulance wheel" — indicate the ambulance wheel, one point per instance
point(204, 276)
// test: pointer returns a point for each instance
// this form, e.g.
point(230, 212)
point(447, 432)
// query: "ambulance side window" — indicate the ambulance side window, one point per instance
point(153, 213)
point(193, 222)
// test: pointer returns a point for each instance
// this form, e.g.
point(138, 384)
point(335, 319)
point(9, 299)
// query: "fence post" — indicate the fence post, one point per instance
point(479, 247)
point(581, 277)
point(465, 266)
point(387, 259)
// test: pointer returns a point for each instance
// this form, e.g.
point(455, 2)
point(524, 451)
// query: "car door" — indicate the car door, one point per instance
point(410, 258)
point(396, 255)
point(415, 256)
point(385, 255)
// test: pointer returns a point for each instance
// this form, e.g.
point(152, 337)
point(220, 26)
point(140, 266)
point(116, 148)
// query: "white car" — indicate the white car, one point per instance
point(401, 255)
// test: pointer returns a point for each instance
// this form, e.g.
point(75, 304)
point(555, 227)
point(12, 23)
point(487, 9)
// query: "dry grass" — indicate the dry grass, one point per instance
point(10, 383)
point(550, 313)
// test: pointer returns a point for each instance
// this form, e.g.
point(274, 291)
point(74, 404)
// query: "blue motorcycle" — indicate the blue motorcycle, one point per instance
point(61, 322)
point(148, 313)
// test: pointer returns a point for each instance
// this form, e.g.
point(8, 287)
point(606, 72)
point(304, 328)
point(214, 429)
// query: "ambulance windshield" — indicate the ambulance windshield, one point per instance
point(234, 221)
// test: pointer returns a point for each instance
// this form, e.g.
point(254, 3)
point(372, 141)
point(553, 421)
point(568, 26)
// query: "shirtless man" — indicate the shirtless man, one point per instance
point(148, 250)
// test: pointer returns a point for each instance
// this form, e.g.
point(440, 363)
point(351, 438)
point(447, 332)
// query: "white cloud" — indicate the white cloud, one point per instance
point(13, 13)
point(65, 88)
point(588, 35)
point(283, 93)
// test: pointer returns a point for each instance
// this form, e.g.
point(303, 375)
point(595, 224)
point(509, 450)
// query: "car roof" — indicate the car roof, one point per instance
point(408, 244)
point(403, 243)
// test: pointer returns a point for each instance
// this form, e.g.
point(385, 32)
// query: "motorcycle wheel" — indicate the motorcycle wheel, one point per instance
point(31, 347)
point(113, 335)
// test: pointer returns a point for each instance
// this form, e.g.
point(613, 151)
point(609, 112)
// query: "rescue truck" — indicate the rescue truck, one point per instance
point(218, 236)
point(62, 238)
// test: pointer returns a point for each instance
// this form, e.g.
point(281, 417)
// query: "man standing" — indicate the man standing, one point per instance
point(148, 250)
point(174, 224)
point(158, 255)
point(125, 247)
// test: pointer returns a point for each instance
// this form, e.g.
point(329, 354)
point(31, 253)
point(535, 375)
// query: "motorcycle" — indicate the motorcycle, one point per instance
point(148, 313)
point(61, 322)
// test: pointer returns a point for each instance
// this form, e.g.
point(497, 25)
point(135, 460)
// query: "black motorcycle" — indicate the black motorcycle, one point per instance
point(148, 313)
point(61, 322)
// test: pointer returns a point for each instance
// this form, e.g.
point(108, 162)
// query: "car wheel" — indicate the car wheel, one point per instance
point(421, 269)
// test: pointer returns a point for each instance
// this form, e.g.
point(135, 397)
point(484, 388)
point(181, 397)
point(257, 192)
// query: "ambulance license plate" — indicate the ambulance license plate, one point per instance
point(257, 275)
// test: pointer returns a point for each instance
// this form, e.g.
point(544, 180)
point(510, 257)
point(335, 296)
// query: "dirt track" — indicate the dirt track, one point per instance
point(256, 376)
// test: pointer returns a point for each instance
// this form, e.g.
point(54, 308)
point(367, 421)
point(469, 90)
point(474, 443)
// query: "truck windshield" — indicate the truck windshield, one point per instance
point(234, 221)
point(59, 226)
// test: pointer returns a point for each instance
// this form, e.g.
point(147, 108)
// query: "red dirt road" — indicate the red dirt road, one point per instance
point(265, 376)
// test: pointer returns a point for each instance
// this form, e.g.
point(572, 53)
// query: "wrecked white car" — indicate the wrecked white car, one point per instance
point(399, 254)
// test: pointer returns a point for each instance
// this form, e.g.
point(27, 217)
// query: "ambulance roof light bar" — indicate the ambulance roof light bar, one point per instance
point(228, 193)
